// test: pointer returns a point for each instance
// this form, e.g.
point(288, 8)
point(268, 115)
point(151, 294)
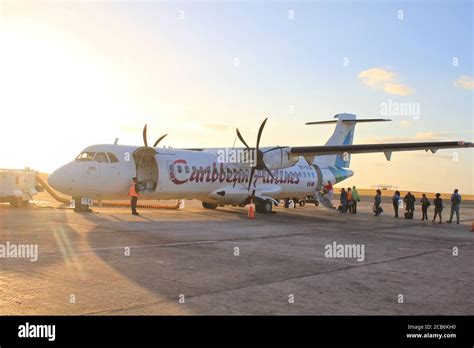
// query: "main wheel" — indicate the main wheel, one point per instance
point(209, 205)
point(264, 207)
point(302, 203)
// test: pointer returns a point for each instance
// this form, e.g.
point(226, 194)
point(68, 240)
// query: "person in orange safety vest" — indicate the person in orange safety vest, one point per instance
point(133, 193)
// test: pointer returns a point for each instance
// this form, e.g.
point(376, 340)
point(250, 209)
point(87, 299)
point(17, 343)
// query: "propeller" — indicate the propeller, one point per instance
point(145, 140)
point(159, 139)
point(260, 165)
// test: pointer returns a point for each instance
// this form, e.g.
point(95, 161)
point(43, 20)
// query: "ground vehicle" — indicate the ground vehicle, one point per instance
point(17, 186)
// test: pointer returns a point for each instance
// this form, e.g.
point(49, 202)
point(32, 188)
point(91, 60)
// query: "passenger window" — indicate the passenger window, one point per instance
point(101, 157)
point(112, 157)
point(186, 169)
point(180, 169)
point(85, 156)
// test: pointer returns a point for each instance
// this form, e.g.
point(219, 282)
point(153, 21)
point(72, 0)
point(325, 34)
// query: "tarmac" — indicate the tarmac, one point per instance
point(195, 261)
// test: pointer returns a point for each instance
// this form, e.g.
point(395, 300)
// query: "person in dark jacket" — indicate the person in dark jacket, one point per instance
point(355, 199)
point(395, 202)
point(438, 203)
point(425, 203)
point(410, 200)
point(377, 202)
point(455, 204)
point(343, 200)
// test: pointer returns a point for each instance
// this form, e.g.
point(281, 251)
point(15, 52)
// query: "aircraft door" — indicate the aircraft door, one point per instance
point(319, 182)
point(147, 169)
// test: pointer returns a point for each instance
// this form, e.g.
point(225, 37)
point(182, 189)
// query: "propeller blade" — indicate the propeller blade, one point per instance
point(252, 171)
point(260, 131)
point(144, 136)
point(159, 139)
point(242, 139)
point(274, 148)
point(268, 170)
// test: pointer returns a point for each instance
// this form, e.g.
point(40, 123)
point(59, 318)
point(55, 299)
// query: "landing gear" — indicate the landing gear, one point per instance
point(264, 207)
point(209, 205)
point(79, 207)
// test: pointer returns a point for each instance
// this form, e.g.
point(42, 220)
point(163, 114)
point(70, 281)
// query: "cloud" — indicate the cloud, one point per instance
point(375, 76)
point(420, 136)
point(384, 79)
point(397, 89)
point(464, 82)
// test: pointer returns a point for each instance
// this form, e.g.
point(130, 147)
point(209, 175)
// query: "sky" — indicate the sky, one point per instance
point(77, 73)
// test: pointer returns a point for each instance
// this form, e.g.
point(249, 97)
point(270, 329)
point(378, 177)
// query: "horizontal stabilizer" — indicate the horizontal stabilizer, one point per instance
point(361, 120)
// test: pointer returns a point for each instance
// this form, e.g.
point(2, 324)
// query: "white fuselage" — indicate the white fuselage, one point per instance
point(180, 174)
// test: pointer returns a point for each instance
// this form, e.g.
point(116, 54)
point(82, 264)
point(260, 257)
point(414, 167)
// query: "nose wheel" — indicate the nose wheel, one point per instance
point(79, 207)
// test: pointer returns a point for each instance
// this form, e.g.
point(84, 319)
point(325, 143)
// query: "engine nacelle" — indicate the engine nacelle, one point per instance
point(278, 157)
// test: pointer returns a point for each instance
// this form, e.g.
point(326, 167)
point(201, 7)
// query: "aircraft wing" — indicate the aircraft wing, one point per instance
point(309, 152)
point(372, 148)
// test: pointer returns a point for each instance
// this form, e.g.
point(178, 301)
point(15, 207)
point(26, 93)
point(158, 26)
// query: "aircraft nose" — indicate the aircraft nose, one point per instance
point(59, 179)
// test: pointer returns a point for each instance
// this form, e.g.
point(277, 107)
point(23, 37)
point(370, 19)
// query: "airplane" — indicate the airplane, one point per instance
point(260, 175)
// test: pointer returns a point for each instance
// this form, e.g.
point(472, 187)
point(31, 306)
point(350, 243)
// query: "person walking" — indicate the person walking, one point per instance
point(377, 202)
point(133, 193)
point(425, 203)
point(455, 205)
point(396, 202)
point(355, 199)
point(438, 203)
point(343, 200)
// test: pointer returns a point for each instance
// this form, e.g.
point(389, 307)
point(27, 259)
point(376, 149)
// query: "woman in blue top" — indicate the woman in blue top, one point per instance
point(395, 201)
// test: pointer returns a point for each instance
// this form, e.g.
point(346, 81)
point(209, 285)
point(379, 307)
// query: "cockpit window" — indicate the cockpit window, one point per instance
point(101, 157)
point(112, 157)
point(85, 156)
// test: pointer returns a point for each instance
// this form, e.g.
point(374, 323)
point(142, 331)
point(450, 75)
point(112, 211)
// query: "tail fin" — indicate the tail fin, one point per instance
point(343, 135)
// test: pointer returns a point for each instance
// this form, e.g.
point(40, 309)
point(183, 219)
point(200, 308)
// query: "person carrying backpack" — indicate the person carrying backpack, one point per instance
point(425, 203)
point(377, 202)
point(455, 204)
